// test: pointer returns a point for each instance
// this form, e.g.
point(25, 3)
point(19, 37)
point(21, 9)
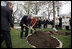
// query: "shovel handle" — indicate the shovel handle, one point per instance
point(29, 27)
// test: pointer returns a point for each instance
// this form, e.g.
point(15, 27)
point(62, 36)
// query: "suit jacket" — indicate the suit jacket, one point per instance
point(47, 22)
point(44, 21)
point(39, 22)
point(60, 21)
point(6, 18)
point(25, 20)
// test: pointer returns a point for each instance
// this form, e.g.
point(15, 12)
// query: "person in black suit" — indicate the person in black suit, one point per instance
point(39, 23)
point(44, 22)
point(25, 20)
point(36, 25)
point(52, 23)
point(60, 22)
point(6, 22)
point(70, 21)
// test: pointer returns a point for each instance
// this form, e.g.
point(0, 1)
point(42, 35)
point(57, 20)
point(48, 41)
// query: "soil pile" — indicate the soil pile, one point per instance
point(42, 40)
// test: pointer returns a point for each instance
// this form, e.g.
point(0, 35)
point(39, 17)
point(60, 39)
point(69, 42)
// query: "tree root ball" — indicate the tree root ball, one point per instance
point(42, 40)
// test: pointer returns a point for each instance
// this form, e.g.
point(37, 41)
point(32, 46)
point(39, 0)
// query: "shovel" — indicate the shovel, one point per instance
point(28, 27)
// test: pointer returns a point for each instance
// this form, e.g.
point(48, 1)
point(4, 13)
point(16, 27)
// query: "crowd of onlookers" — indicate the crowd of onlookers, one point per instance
point(44, 23)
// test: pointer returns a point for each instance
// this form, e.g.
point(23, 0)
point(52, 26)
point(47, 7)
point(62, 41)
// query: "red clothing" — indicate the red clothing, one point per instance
point(33, 21)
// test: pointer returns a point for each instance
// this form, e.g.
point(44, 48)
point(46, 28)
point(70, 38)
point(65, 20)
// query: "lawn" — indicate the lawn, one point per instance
point(22, 43)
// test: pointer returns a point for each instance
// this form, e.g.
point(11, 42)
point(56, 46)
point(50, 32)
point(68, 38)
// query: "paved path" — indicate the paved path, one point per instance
point(17, 27)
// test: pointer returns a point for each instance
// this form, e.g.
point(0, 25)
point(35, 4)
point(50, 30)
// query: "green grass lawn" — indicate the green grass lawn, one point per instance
point(22, 43)
point(16, 24)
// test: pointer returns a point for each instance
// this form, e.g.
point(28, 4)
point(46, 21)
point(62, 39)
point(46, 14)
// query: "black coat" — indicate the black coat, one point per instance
point(39, 22)
point(47, 22)
point(60, 21)
point(70, 22)
point(25, 21)
point(44, 22)
point(6, 18)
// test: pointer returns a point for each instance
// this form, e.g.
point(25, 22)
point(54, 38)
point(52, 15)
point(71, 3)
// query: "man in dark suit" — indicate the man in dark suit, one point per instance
point(6, 22)
point(44, 22)
point(70, 21)
point(25, 20)
point(60, 22)
point(36, 25)
point(39, 23)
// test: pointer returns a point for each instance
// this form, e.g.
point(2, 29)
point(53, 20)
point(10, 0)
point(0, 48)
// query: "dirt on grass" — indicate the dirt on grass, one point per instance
point(43, 40)
point(60, 33)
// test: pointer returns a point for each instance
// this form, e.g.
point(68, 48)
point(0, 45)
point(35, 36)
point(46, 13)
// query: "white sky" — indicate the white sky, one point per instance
point(66, 8)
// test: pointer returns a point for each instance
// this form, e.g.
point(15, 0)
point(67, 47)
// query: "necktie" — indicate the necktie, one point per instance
point(27, 19)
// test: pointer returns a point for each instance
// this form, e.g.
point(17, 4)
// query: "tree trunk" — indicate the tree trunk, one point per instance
point(28, 7)
point(53, 14)
point(36, 7)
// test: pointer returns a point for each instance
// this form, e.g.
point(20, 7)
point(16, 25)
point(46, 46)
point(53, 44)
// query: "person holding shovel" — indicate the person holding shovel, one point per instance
point(33, 24)
point(25, 21)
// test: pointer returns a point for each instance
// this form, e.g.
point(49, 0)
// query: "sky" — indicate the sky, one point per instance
point(66, 8)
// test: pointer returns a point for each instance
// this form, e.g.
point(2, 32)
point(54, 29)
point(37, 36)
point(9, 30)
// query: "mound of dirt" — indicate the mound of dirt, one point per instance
point(42, 40)
point(61, 33)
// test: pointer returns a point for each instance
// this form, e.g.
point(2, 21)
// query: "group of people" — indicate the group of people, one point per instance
point(7, 21)
point(44, 22)
point(28, 21)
